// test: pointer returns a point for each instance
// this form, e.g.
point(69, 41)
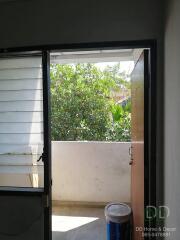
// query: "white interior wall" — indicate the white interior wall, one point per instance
point(172, 116)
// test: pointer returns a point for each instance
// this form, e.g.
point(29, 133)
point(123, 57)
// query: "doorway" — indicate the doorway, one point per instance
point(82, 188)
point(40, 198)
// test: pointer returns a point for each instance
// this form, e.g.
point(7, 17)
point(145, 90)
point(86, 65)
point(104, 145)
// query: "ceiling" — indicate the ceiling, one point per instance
point(92, 56)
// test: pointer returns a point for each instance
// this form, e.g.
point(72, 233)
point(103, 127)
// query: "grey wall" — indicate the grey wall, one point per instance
point(21, 218)
point(44, 22)
point(32, 22)
point(172, 115)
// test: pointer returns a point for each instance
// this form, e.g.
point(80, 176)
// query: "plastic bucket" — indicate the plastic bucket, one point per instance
point(118, 218)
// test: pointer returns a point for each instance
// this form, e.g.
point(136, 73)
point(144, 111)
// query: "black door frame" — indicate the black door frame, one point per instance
point(150, 151)
point(47, 146)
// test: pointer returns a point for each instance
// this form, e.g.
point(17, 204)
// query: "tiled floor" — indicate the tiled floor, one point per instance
point(78, 223)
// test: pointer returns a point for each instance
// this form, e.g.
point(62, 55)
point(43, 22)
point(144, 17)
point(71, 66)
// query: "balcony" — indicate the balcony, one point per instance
point(86, 176)
point(90, 172)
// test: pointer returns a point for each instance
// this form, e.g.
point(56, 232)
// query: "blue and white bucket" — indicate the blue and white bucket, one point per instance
point(118, 218)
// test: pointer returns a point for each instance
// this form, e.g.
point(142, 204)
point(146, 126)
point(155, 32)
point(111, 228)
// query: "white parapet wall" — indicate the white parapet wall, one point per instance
point(91, 171)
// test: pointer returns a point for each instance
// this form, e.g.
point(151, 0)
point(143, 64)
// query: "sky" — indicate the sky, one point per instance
point(125, 66)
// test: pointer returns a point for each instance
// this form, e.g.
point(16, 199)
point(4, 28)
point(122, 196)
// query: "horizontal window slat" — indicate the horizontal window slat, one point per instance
point(26, 106)
point(24, 160)
point(21, 127)
point(22, 95)
point(18, 74)
point(21, 149)
point(21, 84)
point(21, 62)
point(21, 169)
point(21, 138)
point(19, 117)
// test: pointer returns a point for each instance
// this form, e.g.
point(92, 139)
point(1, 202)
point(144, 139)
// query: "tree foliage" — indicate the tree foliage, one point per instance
point(82, 106)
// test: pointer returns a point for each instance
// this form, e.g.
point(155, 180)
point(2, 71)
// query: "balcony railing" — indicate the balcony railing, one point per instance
point(97, 172)
point(91, 171)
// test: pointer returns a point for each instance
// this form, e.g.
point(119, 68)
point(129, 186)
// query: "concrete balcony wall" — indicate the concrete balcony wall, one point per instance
point(90, 171)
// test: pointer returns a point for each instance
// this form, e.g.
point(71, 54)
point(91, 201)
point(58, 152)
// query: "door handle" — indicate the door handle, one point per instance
point(131, 162)
point(41, 157)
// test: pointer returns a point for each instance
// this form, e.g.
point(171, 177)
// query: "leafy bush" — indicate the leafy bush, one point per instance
point(82, 106)
point(121, 124)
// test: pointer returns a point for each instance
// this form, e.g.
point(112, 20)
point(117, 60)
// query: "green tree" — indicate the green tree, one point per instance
point(82, 108)
point(120, 129)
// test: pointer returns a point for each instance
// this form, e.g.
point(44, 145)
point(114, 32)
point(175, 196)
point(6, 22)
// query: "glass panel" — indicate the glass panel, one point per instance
point(21, 122)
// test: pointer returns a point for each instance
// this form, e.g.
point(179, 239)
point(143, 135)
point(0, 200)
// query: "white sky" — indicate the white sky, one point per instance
point(125, 66)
